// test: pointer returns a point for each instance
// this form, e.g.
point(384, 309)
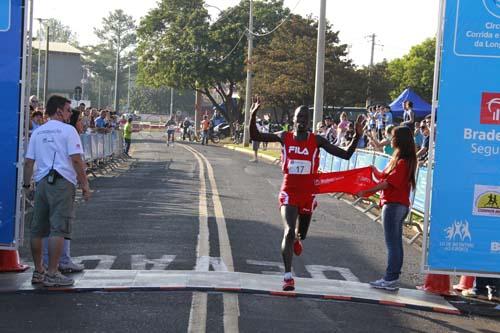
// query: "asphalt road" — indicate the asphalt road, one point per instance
point(146, 214)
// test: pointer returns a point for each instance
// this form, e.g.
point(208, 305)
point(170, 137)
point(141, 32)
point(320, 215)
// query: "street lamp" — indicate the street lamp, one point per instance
point(40, 22)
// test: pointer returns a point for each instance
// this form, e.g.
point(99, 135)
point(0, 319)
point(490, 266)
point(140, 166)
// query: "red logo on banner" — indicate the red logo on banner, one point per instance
point(490, 108)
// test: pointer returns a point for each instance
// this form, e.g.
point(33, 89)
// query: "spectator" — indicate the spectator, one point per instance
point(396, 182)
point(342, 128)
point(127, 135)
point(186, 124)
point(422, 154)
point(265, 129)
point(36, 120)
point(66, 264)
point(379, 120)
point(408, 115)
point(330, 130)
point(384, 144)
point(58, 167)
point(321, 129)
point(33, 103)
point(388, 119)
point(101, 122)
point(256, 144)
point(417, 136)
point(205, 127)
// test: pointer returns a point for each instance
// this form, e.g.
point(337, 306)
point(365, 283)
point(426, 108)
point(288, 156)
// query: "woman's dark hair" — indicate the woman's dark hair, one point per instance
point(55, 102)
point(75, 115)
point(404, 149)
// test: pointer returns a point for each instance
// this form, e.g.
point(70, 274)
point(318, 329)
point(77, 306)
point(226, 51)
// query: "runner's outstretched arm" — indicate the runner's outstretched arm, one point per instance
point(339, 152)
point(255, 135)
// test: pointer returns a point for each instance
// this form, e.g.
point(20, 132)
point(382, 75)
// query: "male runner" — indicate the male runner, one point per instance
point(300, 160)
point(170, 125)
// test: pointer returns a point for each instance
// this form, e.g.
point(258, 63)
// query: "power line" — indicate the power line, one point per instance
point(234, 48)
point(279, 25)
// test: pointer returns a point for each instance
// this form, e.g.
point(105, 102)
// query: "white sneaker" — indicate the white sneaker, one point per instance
point(57, 280)
point(387, 285)
point(70, 267)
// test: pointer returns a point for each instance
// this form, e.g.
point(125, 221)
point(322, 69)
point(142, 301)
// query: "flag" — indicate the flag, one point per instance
point(350, 181)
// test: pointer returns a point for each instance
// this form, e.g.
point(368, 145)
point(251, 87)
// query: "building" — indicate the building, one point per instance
point(65, 68)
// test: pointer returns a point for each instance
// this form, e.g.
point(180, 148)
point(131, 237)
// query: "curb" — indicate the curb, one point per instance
point(261, 155)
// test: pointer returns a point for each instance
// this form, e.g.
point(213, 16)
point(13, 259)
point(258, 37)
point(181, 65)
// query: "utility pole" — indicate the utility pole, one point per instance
point(320, 66)
point(99, 92)
point(248, 95)
point(46, 77)
point(39, 57)
point(117, 95)
point(171, 102)
point(372, 37)
point(128, 89)
point(197, 110)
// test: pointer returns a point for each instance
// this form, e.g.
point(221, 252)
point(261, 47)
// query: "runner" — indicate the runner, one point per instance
point(300, 160)
point(171, 124)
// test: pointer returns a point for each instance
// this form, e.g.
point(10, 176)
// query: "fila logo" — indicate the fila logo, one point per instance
point(297, 150)
point(490, 108)
point(495, 247)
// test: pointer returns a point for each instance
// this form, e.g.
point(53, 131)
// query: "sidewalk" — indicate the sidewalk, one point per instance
point(130, 280)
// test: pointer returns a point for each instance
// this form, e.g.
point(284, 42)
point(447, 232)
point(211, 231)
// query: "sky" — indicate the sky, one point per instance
point(398, 24)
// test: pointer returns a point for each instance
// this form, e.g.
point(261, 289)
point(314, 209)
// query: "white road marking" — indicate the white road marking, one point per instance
point(317, 272)
point(140, 262)
point(231, 305)
point(204, 263)
point(105, 261)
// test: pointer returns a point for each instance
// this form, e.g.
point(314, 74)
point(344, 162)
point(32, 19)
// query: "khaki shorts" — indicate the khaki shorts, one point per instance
point(53, 212)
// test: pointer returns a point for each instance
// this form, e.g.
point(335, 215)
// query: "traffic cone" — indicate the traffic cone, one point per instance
point(466, 282)
point(9, 261)
point(437, 284)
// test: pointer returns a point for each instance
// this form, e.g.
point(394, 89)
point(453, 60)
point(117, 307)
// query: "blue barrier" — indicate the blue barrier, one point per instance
point(363, 158)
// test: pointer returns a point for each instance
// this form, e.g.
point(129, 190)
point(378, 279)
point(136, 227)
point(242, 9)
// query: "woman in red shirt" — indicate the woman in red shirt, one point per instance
point(396, 182)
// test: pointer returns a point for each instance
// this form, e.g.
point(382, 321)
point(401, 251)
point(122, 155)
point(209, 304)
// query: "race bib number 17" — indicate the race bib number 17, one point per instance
point(298, 167)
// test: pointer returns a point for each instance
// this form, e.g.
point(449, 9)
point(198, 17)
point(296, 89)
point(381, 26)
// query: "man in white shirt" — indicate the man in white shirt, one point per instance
point(56, 149)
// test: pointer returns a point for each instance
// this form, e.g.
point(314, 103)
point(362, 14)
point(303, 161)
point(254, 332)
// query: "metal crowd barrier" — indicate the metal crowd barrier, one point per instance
point(98, 146)
point(362, 158)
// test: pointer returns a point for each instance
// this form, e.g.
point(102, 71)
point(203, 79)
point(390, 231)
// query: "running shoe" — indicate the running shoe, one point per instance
point(37, 277)
point(288, 285)
point(57, 280)
point(70, 267)
point(297, 247)
point(387, 285)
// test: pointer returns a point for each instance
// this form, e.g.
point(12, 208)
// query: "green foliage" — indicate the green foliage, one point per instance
point(285, 69)
point(375, 83)
point(179, 47)
point(157, 100)
point(58, 32)
point(415, 70)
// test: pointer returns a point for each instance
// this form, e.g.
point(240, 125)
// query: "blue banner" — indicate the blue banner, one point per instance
point(419, 195)
point(465, 207)
point(11, 34)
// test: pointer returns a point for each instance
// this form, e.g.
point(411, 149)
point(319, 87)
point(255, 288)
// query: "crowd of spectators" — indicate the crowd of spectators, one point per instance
point(378, 130)
point(85, 119)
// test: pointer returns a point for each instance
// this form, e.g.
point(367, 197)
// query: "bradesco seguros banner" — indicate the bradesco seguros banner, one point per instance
point(11, 34)
point(465, 207)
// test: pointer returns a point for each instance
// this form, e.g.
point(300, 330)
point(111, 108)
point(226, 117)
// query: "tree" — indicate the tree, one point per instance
point(179, 48)
point(58, 32)
point(415, 70)
point(117, 36)
point(375, 83)
point(285, 69)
